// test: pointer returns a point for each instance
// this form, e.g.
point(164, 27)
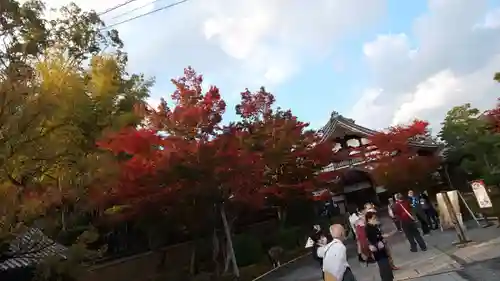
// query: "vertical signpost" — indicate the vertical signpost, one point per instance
point(462, 239)
point(482, 197)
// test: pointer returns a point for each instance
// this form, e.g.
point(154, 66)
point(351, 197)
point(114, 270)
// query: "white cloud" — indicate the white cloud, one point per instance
point(492, 20)
point(259, 42)
point(368, 104)
point(455, 54)
point(429, 95)
point(244, 43)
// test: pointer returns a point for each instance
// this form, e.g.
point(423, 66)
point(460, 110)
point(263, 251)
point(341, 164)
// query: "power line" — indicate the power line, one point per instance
point(134, 9)
point(116, 7)
point(146, 14)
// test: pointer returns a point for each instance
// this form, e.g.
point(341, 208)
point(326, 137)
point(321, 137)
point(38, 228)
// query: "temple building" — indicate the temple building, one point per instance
point(351, 170)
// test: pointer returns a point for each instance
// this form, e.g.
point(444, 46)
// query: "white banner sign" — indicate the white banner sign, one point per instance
point(444, 213)
point(482, 197)
point(309, 243)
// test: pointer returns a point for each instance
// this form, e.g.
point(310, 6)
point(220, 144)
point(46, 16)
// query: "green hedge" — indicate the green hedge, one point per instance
point(289, 238)
point(248, 249)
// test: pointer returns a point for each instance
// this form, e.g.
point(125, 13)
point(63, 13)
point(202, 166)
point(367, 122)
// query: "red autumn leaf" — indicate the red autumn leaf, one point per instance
point(195, 114)
point(293, 155)
point(493, 118)
point(397, 163)
point(184, 156)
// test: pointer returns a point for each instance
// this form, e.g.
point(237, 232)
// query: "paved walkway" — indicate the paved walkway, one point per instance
point(479, 261)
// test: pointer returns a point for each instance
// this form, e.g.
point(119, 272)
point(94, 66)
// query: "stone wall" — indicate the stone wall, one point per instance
point(146, 266)
point(142, 267)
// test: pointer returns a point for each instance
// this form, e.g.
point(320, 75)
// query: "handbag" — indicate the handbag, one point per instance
point(327, 276)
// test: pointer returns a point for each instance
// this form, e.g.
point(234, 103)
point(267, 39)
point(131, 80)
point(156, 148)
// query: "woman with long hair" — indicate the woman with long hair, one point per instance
point(370, 208)
point(364, 253)
point(319, 238)
point(377, 245)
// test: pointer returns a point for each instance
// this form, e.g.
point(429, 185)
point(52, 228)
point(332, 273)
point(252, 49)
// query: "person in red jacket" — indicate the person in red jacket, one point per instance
point(402, 210)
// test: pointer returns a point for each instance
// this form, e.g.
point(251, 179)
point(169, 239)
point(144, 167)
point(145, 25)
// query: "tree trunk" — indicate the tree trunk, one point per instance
point(63, 218)
point(63, 207)
point(487, 163)
point(281, 212)
point(216, 251)
point(192, 260)
point(227, 256)
point(227, 231)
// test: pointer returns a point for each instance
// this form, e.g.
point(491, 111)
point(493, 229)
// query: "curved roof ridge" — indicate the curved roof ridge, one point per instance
point(350, 124)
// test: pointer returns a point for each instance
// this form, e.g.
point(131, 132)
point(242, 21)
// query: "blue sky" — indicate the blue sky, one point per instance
point(338, 89)
point(381, 62)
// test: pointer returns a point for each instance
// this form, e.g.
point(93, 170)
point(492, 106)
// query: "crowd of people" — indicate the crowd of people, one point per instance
point(414, 215)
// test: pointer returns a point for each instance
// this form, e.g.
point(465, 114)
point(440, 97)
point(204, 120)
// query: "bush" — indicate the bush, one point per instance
point(248, 250)
point(289, 238)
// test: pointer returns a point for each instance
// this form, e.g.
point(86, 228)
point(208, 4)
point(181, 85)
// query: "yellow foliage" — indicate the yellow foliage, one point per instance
point(104, 78)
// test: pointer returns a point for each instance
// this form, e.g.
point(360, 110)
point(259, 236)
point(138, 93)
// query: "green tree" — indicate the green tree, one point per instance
point(59, 93)
point(470, 143)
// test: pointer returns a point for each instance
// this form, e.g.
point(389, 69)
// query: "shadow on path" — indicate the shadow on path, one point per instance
point(437, 261)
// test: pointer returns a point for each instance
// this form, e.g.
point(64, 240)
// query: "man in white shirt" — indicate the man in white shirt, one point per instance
point(335, 257)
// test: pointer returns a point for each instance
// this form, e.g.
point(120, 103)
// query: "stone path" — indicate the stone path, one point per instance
point(451, 276)
point(413, 266)
point(479, 261)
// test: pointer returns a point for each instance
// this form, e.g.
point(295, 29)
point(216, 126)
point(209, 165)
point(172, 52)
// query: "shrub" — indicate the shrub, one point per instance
point(248, 250)
point(289, 238)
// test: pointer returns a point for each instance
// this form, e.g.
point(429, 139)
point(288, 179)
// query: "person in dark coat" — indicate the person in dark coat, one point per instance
point(430, 213)
point(320, 238)
point(377, 246)
point(419, 212)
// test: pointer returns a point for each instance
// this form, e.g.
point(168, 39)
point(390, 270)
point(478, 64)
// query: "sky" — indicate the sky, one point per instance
point(380, 62)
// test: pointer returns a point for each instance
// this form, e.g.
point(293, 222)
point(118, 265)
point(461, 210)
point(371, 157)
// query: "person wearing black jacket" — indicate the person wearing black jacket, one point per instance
point(320, 238)
point(377, 247)
point(429, 211)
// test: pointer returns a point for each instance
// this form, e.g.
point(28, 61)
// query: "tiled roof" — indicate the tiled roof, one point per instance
point(349, 124)
point(30, 249)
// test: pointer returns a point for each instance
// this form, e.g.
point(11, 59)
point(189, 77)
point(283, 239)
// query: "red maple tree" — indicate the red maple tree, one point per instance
point(142, 158)
point(293, 155)
point(183, 153)
point(493, 118)
point(396, 162)
point(184, 158)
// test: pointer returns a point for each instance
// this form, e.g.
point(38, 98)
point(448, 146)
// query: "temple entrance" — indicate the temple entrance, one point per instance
point(359, 188)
